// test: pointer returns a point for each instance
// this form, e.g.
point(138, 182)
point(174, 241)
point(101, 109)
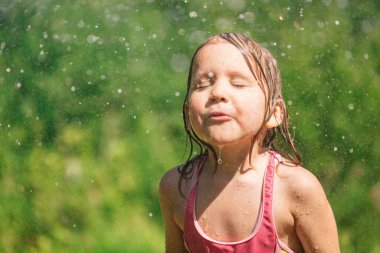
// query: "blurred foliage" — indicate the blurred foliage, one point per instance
point(90, 112)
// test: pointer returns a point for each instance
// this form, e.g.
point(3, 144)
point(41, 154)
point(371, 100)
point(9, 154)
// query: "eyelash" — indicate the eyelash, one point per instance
point(206, 83)
point(202, 84)
point(239, 84)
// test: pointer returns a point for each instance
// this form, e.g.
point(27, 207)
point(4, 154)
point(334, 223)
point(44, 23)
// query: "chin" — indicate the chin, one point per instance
point(222, 141)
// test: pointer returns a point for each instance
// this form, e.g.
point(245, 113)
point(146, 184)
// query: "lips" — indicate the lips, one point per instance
point(219, 116)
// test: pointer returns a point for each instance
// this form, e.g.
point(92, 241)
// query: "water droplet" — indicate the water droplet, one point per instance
point(115, 18)
point(181, 31)
point(327, 2)
point(179, 62)
point(92, 38)
point(193, 14)
point(348, 55)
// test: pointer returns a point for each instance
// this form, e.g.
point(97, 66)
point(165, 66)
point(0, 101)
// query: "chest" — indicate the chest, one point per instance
point(229, 211)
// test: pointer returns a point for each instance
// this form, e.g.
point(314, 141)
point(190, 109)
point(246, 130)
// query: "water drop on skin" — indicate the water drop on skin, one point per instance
point(219, 161)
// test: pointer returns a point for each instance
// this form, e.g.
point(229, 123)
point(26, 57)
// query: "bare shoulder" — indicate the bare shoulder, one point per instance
point(169, 182)
point(301, 185)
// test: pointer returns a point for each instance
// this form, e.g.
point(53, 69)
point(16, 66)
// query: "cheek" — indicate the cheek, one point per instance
point(193, 112)
point(255, 102)
point(195, 105)
point(194, 117)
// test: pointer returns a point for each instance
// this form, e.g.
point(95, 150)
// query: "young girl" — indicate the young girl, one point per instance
point(242, 193)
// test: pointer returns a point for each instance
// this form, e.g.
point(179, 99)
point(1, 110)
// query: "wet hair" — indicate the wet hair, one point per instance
point(264, 68)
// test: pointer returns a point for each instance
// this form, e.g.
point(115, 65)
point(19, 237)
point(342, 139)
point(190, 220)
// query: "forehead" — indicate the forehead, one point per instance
point(219, 54)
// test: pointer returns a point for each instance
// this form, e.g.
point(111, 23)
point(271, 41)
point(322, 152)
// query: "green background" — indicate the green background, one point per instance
point(90, 112)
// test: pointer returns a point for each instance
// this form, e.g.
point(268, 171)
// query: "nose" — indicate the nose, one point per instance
point(219, 91)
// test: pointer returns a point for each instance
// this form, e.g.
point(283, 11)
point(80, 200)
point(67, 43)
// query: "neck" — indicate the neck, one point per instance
point(235, 158)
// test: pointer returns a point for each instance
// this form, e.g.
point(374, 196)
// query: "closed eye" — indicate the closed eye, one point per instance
point(239, 83)
point(203, 83)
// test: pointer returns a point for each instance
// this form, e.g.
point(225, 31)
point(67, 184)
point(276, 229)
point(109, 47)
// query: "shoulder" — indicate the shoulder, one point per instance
point(173, 186)
point(169, 182)
point(302, 186)
point(177, 180)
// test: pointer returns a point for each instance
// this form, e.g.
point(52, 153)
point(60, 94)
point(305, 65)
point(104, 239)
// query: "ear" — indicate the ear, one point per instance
point(277, 115)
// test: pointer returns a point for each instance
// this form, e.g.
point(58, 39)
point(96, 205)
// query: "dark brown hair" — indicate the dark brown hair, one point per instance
point(264, 68)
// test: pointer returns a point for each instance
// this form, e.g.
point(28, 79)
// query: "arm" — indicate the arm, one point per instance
point(314, 220)
point(168, 195)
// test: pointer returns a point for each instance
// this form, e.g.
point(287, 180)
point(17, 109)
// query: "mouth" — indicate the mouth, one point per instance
point(219, 116)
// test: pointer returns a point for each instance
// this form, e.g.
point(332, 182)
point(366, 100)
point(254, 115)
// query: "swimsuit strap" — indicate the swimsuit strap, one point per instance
point(268, 190)
point(197, 168)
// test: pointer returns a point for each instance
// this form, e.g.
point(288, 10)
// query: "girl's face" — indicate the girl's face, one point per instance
point(226, 104)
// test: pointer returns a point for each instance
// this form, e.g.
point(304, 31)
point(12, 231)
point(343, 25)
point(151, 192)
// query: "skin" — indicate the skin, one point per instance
point(226, 109)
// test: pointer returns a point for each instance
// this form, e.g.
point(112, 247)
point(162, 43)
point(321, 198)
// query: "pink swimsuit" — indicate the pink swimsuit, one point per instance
point(264, 237)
